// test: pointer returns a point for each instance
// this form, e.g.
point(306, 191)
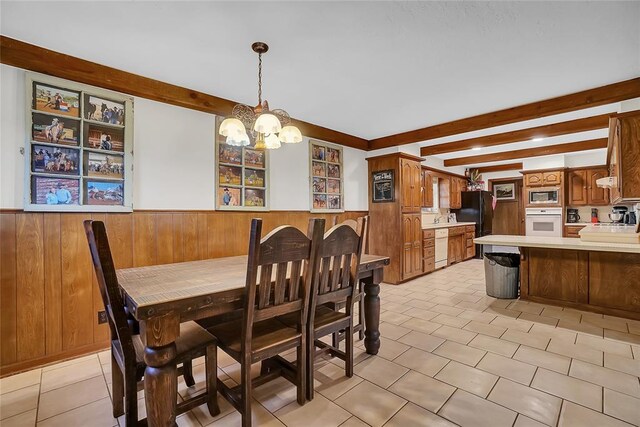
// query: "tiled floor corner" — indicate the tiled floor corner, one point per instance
point(450, 356)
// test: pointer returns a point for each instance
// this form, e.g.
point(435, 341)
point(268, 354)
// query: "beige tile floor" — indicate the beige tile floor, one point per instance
point(450, 355)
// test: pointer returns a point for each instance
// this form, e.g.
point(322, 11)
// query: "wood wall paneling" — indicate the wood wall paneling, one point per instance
point(521, 135)
point(49, 296)
point(509, 214)
point(608, 94)
point(34, 58)
point(8, 289)
point(591, 144)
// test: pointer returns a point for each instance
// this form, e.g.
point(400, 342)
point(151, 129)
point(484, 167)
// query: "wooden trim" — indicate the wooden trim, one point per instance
point(170, 211)
point(521, 135)
point(443, 173)
point(581, 168)
point(530, 152)
point(602, 95)
point(396, 155)
point(35, 58)
point(500, 168)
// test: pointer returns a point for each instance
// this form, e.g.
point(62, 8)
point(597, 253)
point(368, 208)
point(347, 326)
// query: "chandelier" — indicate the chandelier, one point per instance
point(268, 127)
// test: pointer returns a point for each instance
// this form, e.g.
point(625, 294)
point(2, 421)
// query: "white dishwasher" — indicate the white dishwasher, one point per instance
point(442, 246)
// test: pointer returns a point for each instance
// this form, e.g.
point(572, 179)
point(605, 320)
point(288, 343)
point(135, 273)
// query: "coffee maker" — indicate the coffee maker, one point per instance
point(572, 215)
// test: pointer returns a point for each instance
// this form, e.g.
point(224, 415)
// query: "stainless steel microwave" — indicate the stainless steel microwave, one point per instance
point(547, 196)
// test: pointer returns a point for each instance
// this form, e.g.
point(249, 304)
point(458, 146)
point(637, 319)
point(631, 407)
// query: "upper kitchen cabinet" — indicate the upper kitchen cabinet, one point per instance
point(427, 189)
point(623, 157)
point(582, 188)
point(411, 185)
point(533, 179)
point(450, 192)
point(543, 179)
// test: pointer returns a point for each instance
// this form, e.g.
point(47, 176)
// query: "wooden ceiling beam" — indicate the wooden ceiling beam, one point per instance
point(521, 135)
point(591, 144)
point(501, 168)
point(35, 58)
point(603, 95)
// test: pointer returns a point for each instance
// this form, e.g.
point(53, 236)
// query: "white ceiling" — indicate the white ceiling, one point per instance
point(366, 68)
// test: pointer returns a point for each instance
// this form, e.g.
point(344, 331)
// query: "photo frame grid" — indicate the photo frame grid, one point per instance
point(57, 156)
point(326, 181)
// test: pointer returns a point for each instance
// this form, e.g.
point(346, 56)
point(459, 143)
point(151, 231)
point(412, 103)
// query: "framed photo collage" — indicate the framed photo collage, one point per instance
point(327, 177)
point(79, 152)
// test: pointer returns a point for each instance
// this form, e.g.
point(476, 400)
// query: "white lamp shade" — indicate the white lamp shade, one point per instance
point(267, 123)
point(238, 139)
point(272, 142)
point(231, 126)
point(290, 135)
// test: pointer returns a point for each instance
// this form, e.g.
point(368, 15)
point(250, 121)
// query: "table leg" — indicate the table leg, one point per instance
point(160, 376)
point(372, 311)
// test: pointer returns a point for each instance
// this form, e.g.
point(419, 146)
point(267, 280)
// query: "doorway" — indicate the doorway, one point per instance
point(508, 217)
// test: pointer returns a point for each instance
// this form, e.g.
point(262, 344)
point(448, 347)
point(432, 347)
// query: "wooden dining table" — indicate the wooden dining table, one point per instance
point(160, 297)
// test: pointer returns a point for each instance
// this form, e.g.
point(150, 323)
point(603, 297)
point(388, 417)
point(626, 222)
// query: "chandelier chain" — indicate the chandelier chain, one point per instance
point(259, 79)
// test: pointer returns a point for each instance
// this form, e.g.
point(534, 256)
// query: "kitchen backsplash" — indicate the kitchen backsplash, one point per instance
point(429, 217)
point(603, 211)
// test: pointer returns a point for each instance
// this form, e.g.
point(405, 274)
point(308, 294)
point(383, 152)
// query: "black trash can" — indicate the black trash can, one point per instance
point(502, 273)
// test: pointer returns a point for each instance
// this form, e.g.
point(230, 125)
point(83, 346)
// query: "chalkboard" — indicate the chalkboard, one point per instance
point(383, 186)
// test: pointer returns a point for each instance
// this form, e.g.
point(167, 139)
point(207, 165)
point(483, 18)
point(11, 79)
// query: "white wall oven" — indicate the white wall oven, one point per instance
point(545, 196)
point(544, 222)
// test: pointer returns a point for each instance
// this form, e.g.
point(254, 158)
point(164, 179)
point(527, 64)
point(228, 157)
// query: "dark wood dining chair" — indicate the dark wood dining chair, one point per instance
point(361, 223)
point(127, 349)
point(278, 282)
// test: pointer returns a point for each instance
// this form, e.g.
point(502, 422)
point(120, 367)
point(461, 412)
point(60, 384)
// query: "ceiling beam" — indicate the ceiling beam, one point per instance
point(591, 144)
point(603, 95)
point(35, 58)
point(501, 168)
point(521, 135)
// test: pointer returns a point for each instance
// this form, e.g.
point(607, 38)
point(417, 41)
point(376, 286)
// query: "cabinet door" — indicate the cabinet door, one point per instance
point(552, 178)
point(533, 180)
point(405, 184)
point(416, 186)
point(416, 255)
point(427, 193)
point(614, 161)
point(597, 195)
point(578, 194)
point(407, 246)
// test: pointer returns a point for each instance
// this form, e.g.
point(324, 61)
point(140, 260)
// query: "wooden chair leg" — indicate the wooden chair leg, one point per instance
point(211, 372)
point(348, 363)
point(187, 373)
point(361, 313)
point(311, 359)
point(117, 380)
point(335, 339)
point(301, 372)
point(245, 386)
point(131, 398)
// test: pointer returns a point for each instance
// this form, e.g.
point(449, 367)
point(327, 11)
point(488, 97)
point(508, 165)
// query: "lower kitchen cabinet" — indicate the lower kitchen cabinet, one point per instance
point(411, 246)
point(457, 245)
point(428, 251)
point(572, 230)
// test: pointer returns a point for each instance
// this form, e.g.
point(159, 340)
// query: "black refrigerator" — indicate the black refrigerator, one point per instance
point(477, 206)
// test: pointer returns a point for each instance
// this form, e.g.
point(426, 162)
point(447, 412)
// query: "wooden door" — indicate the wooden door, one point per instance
point(577, 183)
point(552, 178)
point(508, 217)
point(597, 195)
point(427, 193)
point(533, 180)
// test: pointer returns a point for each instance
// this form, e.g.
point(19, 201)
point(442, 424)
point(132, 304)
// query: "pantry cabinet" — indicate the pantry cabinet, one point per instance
point(411, 246)
point(427, 189)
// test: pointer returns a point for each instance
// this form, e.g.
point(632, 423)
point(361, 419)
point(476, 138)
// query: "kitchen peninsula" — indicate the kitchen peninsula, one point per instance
point(594, 276)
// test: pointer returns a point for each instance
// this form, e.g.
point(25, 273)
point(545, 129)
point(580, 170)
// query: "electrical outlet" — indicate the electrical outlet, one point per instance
point(102, 317)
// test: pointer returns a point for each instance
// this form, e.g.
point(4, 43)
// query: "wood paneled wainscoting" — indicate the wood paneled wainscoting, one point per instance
point(49, 299)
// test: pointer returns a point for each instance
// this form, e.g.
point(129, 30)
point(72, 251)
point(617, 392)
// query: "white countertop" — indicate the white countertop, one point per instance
point(577, 224)
point(557, 243)
point(446, 225)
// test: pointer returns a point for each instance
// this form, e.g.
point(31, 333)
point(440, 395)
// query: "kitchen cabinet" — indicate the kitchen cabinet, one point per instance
point(412, 245)
point(533, 179)
point(427, 189)
point(623, 157)
point(470, 247)
point(582, 188)
point(450, 192)
point(543, 179)
point(551, 178)
point(411, 185)
point(428, 251)
point(457, 245)
point(573, 230)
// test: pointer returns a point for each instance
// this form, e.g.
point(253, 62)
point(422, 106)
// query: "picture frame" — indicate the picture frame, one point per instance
point(62, 142)
point(506, 191)
point(326, 177)
point(241, 175)
point(103, 110)
point(383, 186)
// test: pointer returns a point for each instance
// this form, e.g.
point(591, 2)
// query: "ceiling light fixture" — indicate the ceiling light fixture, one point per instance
point(476, 148)
point(267, 127)
point(538, 139)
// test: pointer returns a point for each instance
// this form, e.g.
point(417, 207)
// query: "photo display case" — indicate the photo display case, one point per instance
point(241, 175)
point(79, 150)
point(327, 177)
